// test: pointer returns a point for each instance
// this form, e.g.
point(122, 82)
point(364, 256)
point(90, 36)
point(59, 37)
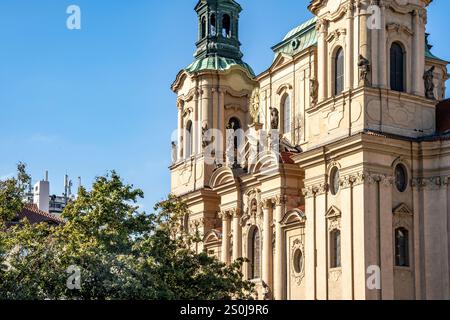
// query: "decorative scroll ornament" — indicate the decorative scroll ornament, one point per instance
point(255, 105)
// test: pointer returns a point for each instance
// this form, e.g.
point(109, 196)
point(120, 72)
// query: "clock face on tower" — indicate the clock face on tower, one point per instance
point(334, 5)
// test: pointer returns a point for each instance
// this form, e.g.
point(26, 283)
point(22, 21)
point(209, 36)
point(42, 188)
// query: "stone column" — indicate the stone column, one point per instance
point(267, 242)
point(418, 57)
point(280, 258)
point(237, 234)
point(196, 127)
point(225, 236)
point(180, 131)
point(349, 49)
point(364, 36)
point(322, 63)
point(310, 243)
point(386, 237)
point(382, 47)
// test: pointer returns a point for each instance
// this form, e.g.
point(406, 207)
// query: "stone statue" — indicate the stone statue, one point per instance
point(274, 118)
point(254, 105)
point(364, 70)
point(205, 141)
point(174, 152)
point(428, 77)
point(313, 90)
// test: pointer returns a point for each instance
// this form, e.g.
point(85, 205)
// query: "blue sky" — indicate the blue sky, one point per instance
point(86, 101)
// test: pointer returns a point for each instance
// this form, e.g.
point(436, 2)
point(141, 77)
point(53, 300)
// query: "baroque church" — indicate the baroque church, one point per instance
point(339, 186)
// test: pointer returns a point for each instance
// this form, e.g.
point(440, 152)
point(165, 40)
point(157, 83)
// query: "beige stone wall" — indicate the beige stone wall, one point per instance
point(291, 205)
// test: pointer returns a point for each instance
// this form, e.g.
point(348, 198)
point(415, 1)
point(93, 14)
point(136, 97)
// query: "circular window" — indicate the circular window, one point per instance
point(334, 181)
point(295, 44)
point(401, 178)
point(298, 261)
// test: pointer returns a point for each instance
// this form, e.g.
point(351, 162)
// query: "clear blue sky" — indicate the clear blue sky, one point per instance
point(84, 102)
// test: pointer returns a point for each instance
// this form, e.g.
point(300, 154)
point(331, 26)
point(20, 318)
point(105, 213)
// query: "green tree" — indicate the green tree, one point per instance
point(120, 251)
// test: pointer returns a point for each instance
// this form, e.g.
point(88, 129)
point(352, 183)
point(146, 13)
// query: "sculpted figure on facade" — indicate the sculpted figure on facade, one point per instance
point(428, 78)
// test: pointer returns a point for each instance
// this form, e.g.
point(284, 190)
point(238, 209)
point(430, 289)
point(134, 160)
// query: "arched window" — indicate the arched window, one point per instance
point(213, 25)
point(203, 28)
point(339, 72)
point(287, 114)
point(397, 67)
point(226, 26)
point(189, 139)
point(335, 249)
point(401, 247)
point(255, 255)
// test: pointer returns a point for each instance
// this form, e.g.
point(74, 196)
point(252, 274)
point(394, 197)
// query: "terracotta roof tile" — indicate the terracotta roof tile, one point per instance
point(34, 215)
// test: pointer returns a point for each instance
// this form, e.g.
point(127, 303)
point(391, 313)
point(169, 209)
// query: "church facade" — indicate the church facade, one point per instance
point(330, 170)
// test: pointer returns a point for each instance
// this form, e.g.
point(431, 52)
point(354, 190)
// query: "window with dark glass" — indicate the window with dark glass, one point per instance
point(189, 139)
point(213, 26)
point(335, 249)
point(397, 62)
point(255, 255)
point(287, 114)
point(401, 247)
point(339, 72)
point(334, 181)
point(401, 178)
point(226, 26)
point(298, 261)
point(203, 27)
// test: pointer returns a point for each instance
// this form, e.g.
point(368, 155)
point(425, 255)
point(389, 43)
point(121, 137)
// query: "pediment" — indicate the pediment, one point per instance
point(403, 209)
point(333, 212)
point(280, 60)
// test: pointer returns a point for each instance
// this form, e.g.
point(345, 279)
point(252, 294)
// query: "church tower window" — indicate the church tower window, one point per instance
point(255, 252)
point(213, 25)
point(226, 26)
point(203, 28)
point(189, 139)
point(287, 114)
point(339, 72)
point(401, 180)
point(397, 67)
point(401, 247)
point(335, 249)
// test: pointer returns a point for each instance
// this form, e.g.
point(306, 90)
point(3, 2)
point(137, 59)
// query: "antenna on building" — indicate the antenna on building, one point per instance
point(79, 182)
point(66, 186)
point(46, 175)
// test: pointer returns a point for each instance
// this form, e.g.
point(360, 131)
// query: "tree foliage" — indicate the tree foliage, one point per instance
point(120, 251)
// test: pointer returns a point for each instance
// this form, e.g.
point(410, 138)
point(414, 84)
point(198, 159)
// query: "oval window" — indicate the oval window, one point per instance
point(401, 178)
point(298, 261)
point(334, 181)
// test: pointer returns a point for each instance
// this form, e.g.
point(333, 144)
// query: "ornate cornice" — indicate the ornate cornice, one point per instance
point(431, 183)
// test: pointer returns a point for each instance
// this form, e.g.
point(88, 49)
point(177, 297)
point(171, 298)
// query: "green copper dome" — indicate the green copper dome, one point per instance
point(217, 64)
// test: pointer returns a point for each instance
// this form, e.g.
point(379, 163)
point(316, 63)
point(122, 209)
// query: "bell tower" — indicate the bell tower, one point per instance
point(213, 96)
point(218, 29)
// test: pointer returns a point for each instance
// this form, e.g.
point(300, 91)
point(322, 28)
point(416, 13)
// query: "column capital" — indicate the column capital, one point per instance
point(279, 200)
point(235, 213)
point(267, 203)
point(322, 25)
point(224, 214)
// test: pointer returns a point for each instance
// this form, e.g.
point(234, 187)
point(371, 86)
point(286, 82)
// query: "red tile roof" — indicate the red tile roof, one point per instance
point(443, 116)
point(34, 215)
